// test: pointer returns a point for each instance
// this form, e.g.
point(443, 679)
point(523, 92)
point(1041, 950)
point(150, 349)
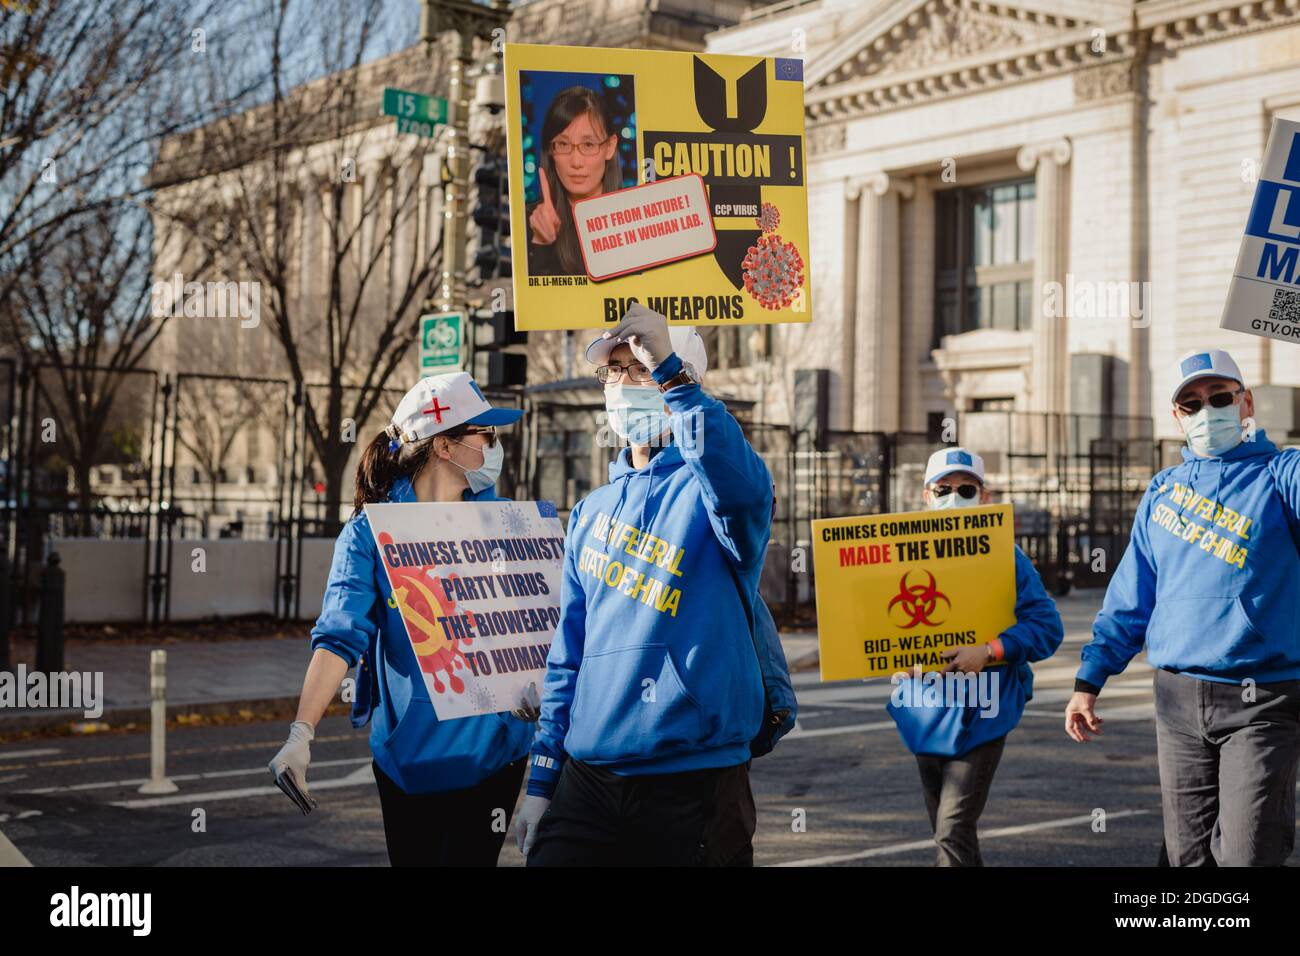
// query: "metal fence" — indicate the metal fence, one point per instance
point(163, 461)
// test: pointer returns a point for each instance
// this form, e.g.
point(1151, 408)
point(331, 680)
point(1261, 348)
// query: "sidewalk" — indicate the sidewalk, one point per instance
point(205, 677)
point(224, 677)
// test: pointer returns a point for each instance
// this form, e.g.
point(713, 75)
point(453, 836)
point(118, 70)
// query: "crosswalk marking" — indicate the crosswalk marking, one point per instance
point(915, 845)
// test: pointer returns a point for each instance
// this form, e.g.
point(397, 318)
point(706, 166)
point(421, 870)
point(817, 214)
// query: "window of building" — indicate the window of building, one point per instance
point(984, 258)
point(736, 346)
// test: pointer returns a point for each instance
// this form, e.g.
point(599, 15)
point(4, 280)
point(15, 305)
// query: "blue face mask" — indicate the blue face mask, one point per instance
point(486, 475)
point(1213, 431)
point(636, 412)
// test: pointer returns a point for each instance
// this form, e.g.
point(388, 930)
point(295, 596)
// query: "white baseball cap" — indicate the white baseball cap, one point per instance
point(440, 402)
point(687, 343)
point(945, 461)
point(1214, 362)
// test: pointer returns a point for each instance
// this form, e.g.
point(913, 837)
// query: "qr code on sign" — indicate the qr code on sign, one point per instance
point(1286, 306)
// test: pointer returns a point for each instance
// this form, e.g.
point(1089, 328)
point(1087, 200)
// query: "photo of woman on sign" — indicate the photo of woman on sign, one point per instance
point(579, 158)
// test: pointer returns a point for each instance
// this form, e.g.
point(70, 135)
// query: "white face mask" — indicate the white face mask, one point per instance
point(1213, 431)
point(953, 500)
point(486, 475)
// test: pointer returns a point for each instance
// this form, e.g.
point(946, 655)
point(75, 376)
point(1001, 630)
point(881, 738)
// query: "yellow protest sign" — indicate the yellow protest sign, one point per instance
point(895, 591)
point(671, 179)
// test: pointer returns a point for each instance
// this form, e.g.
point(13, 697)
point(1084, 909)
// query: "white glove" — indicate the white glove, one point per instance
point(646, 331)
point(295, 755)
point(530, 814)
point(530, 704)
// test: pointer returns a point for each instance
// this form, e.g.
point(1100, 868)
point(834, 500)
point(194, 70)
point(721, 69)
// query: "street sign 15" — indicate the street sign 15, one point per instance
point(414, 106)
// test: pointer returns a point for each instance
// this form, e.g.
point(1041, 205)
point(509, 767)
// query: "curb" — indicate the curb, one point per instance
point(61, 720)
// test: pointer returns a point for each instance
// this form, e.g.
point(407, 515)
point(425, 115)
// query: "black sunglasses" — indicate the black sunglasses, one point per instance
point(966, 491)
point(489, 430)
point(1217, 400)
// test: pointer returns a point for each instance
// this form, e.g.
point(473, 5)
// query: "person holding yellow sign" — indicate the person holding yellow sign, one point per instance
point(446, 788)
point(654, 690)
point(956, 721)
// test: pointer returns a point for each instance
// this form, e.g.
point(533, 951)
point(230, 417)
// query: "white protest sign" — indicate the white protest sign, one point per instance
point(650, 225)
point(477, 585)
point(1264, 295)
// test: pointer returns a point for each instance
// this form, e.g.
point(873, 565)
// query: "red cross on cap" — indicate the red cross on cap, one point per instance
point(436, 409)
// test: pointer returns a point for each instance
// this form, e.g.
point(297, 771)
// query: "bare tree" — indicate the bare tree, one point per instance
point(82, 311)
point(86, 89)
point(214, 415)
point(313, 197)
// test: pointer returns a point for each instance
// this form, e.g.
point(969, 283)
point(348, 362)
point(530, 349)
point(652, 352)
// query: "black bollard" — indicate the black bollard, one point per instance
point(49, 632)
point(6, 609)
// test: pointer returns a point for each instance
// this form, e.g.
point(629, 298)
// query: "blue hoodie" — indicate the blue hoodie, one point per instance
point(417, 751)
point(653, 668)
point(945, 731)
point(1212, 572)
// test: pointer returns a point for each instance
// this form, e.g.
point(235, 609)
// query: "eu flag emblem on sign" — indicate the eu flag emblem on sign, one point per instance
point(789, 69)
point(1196, 363)
point(959, 458)
point(547, 509)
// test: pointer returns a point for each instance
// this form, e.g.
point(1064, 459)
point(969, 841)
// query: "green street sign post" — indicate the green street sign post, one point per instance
point(441, 335)
point(415, 112)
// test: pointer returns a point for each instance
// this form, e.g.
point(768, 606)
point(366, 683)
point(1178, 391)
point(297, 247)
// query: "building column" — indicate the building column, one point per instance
point(877, 352)
point(1049, 368)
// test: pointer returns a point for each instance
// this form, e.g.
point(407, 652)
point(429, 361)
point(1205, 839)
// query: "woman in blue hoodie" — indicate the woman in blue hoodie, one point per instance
point(1209, 583)
point(446, 789)
point(958, 742)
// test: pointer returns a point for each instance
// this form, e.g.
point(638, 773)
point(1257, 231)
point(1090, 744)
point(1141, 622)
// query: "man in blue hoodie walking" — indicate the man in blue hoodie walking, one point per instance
point(653, 690)
point(958, 736)
point(1209, 583)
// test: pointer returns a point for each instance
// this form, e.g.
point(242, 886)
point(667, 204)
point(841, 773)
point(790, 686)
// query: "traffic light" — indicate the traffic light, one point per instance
point(492, 333)
point(491, 213)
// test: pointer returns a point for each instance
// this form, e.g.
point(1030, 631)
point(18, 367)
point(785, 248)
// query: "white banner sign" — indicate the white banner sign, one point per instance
point(1264, 295)
point(478, 588)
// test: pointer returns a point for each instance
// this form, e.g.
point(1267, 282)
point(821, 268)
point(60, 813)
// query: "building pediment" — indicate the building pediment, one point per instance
point(909, 50)
point(915, 34)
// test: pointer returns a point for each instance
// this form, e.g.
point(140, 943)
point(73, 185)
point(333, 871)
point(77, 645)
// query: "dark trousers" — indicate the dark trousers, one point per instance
point(452, 828)
point(1227, 770)
point(696, 818)
point(956, 789)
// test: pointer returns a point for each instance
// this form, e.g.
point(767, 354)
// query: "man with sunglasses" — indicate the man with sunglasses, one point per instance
point(958, 746)
point(1209, 584)
point(653, 687)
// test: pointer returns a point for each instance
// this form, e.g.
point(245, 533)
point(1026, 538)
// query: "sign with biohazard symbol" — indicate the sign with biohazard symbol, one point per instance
point(896, 591)
point(671, 179)
point(476, 587)
point(916, 603)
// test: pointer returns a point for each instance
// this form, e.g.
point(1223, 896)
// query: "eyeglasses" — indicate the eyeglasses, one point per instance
point(1218, 400)
point(562, 147)
point(637, 372)
point(489, 430)
point(966, 491)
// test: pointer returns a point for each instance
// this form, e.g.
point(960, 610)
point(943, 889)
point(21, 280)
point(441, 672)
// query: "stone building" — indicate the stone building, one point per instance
point(1030, 205)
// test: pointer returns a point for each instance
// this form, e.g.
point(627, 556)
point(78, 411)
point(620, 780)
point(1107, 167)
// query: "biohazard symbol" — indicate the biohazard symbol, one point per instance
point(918, 602)
point(416, 598)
